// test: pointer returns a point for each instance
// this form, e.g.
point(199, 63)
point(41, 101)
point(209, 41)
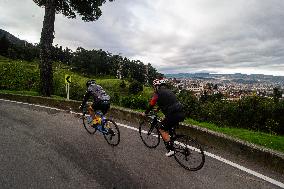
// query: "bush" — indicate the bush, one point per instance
point(134, 102)
point(15, 76)
point(190, 103)
point(114, 97)
point(135, 87)
point(122, 84)
point(277, 115)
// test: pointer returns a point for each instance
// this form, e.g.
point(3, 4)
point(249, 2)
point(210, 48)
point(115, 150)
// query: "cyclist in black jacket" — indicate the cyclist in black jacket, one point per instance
point(170, 107)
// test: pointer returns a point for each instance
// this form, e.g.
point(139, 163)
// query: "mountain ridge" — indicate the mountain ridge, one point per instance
point(237, 77)
point(12, 38)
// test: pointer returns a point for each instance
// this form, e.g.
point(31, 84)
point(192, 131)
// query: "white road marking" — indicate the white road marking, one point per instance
point(249, 171)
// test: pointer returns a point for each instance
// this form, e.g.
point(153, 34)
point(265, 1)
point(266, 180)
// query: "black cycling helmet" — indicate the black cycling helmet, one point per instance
point(90, 82)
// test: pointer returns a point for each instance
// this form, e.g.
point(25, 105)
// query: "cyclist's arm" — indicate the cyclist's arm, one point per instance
point(152, 103)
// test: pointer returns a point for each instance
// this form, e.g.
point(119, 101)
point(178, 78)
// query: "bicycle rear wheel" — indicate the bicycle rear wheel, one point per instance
point(189, 153)
point(88, 125)
point(113, 135)
point(149, 134)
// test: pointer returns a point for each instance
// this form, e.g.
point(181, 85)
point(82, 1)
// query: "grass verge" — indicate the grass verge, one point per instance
point(266, 140)
point(29, 93)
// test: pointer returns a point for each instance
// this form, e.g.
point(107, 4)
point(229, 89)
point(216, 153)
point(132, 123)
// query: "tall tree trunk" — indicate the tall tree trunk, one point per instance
point(46, 40)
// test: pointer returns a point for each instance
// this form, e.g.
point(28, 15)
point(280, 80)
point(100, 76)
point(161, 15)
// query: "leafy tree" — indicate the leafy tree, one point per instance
point(125, 68)
point(116, 61)
point(137, 71)
point(89, 10)
point(152, 74)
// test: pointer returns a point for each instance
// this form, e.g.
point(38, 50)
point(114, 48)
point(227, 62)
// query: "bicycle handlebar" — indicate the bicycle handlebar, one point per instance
point(153, 115)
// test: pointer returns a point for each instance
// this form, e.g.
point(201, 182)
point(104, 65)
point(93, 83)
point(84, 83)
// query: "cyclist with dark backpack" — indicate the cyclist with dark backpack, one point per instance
point(169, 105)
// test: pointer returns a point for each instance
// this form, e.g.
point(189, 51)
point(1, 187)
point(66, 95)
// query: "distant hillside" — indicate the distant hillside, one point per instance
point(237, 77)
point(12, 38)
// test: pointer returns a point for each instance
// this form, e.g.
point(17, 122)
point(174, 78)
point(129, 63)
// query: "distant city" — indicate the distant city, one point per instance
point(232, 86)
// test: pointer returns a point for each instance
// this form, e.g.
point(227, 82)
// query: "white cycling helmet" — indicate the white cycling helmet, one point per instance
point(158, 82)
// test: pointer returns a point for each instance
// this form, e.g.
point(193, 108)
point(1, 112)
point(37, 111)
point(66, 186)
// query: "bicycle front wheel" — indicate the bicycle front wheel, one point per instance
point(88, 125)
point(149, 134)
point(189, 153)
point(112, 135)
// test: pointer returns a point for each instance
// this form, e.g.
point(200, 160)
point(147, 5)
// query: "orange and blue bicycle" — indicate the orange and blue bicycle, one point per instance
point(103, 125)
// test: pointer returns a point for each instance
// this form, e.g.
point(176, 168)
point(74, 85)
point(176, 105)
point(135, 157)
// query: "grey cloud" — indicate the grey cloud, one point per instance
point(229, 35)
point(21, 18)
point(111, 32)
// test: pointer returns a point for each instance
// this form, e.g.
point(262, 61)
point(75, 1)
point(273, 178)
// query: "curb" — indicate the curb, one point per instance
point(268, 158)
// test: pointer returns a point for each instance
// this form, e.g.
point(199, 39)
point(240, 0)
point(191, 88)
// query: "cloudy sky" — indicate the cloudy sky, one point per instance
point(216, 36)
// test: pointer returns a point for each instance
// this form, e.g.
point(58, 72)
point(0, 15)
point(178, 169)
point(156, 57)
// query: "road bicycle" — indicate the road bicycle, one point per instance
point(104, 125)
point(188, 152)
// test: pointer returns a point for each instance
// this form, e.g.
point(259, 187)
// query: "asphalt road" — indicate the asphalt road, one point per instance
point(45, 148)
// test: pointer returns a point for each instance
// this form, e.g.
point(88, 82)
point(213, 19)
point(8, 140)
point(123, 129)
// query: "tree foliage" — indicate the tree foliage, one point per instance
point(89, 10)
point(252, 112)
point(98, 63)
point(101, 63)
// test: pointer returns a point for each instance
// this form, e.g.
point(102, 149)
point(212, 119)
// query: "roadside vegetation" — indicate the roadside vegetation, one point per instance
point(19, 75)
point(271, 141)
point(256, 120)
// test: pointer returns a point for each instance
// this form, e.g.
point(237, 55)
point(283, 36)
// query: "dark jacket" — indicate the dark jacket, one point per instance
point(166, 101)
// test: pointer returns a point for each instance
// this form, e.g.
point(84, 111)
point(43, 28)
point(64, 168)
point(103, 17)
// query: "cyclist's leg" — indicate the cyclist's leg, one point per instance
point(164, 130)
point(105, 106)
point(94, 106)
point(96, 117)
point(170, 122)
point(167, 123)
point(91, 110)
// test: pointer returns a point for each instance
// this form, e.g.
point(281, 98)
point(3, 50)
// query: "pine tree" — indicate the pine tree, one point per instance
point(89, 10)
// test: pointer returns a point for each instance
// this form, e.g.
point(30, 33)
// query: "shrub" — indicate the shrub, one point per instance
point(190, 103)
point(135, 87)
point(122, 84)
point(114, 98)
point(134, 102)
point(14, 76)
